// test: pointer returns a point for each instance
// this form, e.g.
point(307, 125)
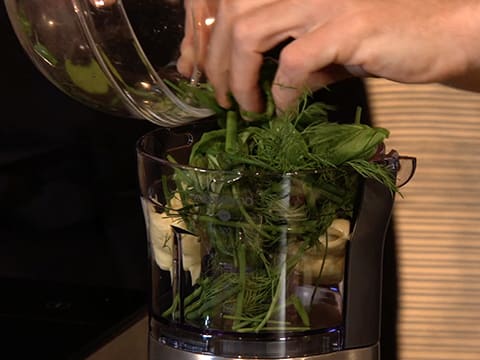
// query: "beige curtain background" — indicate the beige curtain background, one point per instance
point(438, 219)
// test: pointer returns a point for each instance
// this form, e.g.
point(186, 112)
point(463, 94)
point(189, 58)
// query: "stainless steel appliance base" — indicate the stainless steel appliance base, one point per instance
point(159, 351)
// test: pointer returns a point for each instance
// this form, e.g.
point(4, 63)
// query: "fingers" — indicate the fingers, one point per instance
point(322, 52)
point(243, 81)
point(247, 55)
point(240, 40)
point(186, 61)
point(244, 30)
point(199, 20)
point(286, 96)
point(309, 63)
point(224, 69)
point(203, 17)
point(218, 61)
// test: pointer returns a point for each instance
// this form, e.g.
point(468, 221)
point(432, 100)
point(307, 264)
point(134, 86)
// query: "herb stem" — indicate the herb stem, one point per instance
point(246, 215)
point(231, 145)
point(317, 282)
point(274, 328)
point(171, 310)
point(301, 310)
point(242, 268)
point(276, 297)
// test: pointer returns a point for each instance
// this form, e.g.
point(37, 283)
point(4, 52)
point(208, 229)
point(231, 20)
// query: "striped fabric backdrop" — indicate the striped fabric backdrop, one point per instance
point(438, 219)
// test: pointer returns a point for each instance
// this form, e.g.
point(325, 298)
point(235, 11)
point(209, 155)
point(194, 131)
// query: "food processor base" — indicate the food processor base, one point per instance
point(161, 351)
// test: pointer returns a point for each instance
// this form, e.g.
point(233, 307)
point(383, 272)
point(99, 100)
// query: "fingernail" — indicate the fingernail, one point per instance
point(223, 101)
point(185, 68)
point(260, 114)
point(285, 98)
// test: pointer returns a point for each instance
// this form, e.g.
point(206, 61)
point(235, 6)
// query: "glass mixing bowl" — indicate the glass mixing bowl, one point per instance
point(115, 56)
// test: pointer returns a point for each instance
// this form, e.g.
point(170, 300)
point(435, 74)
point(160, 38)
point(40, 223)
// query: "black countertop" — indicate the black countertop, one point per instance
point(47, 320)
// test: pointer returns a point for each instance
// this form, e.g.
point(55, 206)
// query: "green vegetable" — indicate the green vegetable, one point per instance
point(89, 78)
point(296, 173)
point(45, 54)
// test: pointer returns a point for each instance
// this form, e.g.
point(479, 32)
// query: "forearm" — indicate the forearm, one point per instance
point(465, 23)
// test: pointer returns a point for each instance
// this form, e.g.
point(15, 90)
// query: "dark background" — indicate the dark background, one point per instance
point(73, 258)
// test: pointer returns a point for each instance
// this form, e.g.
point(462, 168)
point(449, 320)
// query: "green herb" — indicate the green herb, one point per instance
point(288, 177)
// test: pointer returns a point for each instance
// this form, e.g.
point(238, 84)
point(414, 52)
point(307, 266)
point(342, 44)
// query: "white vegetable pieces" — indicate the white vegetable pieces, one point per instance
point(161, 240)
point(321, 264)
point(324, 264)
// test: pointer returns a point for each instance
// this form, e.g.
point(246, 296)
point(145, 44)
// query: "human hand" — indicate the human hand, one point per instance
point(199, 20)
point(401, 40)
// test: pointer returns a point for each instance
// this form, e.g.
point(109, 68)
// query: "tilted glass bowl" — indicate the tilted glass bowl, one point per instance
point(115, 56)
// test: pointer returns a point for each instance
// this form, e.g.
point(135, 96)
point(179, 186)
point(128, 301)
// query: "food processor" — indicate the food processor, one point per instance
point(239, 269)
